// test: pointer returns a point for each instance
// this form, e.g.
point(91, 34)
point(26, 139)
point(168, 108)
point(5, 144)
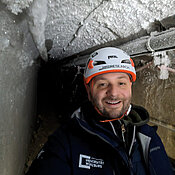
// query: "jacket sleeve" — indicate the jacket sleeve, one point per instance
point(159, 161)
point(54, 158)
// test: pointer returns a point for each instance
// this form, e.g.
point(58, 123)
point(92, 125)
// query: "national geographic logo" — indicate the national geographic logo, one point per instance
point(115, 66)
point(89, 162)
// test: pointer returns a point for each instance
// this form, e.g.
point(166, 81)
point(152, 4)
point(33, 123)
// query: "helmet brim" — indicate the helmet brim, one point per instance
point(133, 76)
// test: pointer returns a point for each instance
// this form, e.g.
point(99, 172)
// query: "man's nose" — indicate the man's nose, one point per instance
point(112, 90)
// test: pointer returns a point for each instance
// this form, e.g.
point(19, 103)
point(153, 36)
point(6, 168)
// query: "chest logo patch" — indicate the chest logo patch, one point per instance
point(89, 162)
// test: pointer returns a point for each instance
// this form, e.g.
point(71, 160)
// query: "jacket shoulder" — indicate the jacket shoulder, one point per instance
point(53, 158)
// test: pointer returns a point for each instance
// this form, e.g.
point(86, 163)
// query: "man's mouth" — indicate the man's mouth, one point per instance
point(113, 102)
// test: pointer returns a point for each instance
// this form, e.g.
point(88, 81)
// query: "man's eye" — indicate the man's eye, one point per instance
point(122, 83)
point(102, 85)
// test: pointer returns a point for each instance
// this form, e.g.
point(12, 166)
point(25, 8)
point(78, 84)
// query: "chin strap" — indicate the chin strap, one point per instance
point(126, 113)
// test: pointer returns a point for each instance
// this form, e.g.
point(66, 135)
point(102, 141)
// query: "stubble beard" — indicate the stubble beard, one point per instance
point(111, 113)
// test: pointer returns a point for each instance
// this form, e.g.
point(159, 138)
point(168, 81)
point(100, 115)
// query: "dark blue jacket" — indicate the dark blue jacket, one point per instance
point(84, 146)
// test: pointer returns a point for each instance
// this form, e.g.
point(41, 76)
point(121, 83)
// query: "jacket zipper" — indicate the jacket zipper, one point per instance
point(129, 161)
point(123, 133)
point(123, 130)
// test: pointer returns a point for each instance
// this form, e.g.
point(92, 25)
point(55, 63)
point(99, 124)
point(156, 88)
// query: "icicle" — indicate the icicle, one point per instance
point(37, 17)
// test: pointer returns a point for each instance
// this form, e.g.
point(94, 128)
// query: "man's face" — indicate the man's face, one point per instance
point(110, 93)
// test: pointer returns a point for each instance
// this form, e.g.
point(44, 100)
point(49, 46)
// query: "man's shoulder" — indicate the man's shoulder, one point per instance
point(66, 126)
point(148, 129)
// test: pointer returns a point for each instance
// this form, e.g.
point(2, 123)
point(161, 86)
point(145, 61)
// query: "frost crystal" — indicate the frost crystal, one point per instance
point(16, 6)
point(161, 59)
point(37, 18)
point(4, 42)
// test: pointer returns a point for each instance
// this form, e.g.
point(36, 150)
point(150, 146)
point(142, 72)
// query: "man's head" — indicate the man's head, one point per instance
point(108, 78)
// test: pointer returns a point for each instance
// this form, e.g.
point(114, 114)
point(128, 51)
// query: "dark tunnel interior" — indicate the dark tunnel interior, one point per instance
point(59, 90)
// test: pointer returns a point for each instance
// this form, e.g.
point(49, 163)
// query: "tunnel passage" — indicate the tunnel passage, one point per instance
point(60, 91)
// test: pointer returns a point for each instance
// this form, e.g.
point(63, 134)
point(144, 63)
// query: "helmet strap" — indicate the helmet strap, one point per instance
point(91, 91)
point(126, 113)
point(114, 119)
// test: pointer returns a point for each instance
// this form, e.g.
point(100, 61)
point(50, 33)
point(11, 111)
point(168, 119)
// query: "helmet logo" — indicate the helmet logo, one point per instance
point(90, 64)
point(112, 56)
point(94, 54)
point(109, 59)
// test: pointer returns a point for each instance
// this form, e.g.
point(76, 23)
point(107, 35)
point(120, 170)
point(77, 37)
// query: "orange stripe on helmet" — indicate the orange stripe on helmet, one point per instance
point(132, 62)
point(90, 64)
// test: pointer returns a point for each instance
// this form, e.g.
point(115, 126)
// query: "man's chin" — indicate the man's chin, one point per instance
point(112, 115)
point(115, 116)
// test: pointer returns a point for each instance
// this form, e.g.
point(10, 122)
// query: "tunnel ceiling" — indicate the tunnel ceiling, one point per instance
point(66, 27)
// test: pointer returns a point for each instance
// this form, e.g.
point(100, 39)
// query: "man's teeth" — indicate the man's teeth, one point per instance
point(110, 102)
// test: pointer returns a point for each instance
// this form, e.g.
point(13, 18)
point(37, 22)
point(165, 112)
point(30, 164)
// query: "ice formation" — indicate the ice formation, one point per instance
point(37, 17)
point(106, 21)
point(162, 60)
point(4, 42)
point(74, 26)
point(17, 6)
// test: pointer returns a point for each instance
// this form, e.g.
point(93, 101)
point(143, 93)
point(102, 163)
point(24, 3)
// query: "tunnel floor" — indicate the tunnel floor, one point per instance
point(45, 125)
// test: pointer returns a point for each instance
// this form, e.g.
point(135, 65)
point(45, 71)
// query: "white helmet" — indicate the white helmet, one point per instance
point(109, 59)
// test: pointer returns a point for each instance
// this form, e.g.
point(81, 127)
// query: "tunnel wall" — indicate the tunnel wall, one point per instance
point(18, 71)
point(17, 91)
point(151, 92)
point(157, 96)
point(66, 92)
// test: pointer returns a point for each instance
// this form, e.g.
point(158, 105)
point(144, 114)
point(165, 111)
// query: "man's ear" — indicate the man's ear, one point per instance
point(89, 87)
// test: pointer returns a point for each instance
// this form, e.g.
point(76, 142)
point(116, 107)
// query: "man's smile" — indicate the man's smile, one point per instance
point(112, 103)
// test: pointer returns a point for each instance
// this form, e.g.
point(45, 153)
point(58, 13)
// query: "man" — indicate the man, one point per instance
point(107, 135)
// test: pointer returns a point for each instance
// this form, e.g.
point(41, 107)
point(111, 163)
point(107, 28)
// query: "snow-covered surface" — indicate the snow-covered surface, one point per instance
point(37, 15)
point(78, 25)
point(74, 26)
point(17, 6)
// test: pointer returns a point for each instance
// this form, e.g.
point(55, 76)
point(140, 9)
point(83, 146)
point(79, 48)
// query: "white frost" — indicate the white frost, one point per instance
point(4, 43)
point(162, 60)
point(37, 18)
point(74, 26)
point(107, 21)
point(16, 6)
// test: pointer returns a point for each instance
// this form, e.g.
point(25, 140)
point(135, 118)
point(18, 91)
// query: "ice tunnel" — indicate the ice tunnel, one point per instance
point(43, 48)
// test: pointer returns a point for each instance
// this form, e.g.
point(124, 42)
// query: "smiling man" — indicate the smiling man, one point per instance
point(111, 94)
point(107, 135)
point(108, 79)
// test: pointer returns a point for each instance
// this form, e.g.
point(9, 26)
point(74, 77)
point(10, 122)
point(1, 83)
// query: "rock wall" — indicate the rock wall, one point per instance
point(157, 96)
